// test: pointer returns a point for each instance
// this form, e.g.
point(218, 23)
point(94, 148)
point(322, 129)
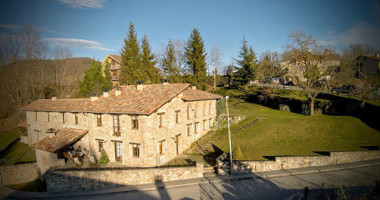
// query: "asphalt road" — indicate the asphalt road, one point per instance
point(355, 182)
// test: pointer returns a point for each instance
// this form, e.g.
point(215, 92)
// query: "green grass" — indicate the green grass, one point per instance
point(282, 133)
point(7, 137)
point(19, 153)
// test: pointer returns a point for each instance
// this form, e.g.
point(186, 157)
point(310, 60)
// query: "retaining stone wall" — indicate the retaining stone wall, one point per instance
point(289, 162)
point(88, 179)
point(18, 174)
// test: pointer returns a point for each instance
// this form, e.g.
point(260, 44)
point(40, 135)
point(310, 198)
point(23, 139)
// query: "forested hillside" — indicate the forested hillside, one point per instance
point(24, 81)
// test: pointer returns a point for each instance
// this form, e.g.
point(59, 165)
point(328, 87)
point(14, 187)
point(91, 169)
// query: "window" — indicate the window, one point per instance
point(76, 118)
point(177, 116)
point(210, 123)
point(136, 150)
point(116, 125)
point(188, 111)
point(101, 144)
point(160, 119)
point(188, 129)
point(209, 108)
point(161, 147)
point(196, 126)
point(63, 117)
point(48, 116)
point(99, 120)
point(35, 116)
point(205, 124)
point(204, 109)
point(118, 150)
point(177, 137)
point(195, 110)
point(135, 122)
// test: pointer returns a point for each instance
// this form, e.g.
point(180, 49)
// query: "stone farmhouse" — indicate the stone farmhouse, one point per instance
point(367, 65)
point(136, 125)
point(296, 68)
point(115, 67)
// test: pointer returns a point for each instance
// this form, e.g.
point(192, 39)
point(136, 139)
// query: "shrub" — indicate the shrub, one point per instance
point(263, 95)
point(104, 158)
point(284, 107)
point(237, 154)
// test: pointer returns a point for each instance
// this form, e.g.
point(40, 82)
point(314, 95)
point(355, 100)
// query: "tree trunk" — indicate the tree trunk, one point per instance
point(362, 103)
point(312, 106)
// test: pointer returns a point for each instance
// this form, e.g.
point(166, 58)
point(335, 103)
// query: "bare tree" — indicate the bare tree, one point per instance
point(269, 65)
point(302, 47)
point(215, 60)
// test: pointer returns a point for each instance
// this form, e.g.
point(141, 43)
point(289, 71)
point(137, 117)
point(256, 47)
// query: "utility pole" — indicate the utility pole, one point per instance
point(229, 135)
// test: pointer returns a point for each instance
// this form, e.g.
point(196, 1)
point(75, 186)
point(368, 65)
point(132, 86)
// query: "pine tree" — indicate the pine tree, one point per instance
point(237, 154)
point(130, 57)
point(169, 64)
point(107, 83)
point(94, 82)
point(248, 66)
point(149, 71)
point(196, 59)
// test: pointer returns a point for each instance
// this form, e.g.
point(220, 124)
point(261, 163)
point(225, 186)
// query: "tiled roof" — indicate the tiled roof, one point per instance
point(368, 56)
point(22, 124)
point(63, 137)
point(117, 58)
point(130, 100)
point(193, 95)
point(58, 105)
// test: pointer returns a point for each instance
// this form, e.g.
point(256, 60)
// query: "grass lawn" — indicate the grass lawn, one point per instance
point(7, 137)
point(19, 153)
point(283, 133)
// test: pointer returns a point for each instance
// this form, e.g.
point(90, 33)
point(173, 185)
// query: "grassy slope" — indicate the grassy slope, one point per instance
point(282, 133)
point(7, 137)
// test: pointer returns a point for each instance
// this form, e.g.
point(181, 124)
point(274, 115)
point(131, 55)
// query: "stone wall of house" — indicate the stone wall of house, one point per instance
point(47, 160)
point(289, 162)
point(24, 139)
point(148, 135)
point(88, 179)
point(18, 174)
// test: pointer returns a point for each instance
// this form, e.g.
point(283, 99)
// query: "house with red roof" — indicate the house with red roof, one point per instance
point(135, 125)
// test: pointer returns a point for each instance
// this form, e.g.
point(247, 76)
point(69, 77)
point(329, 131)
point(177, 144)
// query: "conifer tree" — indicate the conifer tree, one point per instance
point(169, 64)
point(94, 82)
point(196, 59)
point(148, 70)
point(130, 57)
point(248, 66)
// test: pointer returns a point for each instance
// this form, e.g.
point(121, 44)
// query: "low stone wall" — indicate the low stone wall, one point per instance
point(289, 162)
point(17, 174)
point(24, 139)
point(88, 179)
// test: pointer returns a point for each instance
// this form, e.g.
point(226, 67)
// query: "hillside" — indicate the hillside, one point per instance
point(24, 81)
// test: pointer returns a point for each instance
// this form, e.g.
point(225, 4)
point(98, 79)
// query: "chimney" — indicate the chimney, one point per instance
point(193, 87)
point(53, 98)
point(105, 94)
point(94, 99)
point(117, 91)
point(139, 85)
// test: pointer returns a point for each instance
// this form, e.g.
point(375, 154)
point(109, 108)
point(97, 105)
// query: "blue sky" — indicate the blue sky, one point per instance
point(95, 28)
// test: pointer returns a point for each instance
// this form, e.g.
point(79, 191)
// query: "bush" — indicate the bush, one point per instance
point(104, 158)
point(237, 154)
point(263, 95)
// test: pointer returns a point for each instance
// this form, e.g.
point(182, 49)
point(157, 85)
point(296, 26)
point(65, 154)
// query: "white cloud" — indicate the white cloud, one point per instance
point(83, 4)
point(78, 43)
point(361, 33)
point(10, 26)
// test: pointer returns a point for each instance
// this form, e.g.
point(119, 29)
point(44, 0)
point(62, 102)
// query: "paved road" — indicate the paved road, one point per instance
point(357, 181)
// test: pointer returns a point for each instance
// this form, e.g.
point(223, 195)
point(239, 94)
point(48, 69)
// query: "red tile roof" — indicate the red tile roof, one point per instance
point(58, 105)
point(130, 101)
point(193, 95)
point(63, 137)
point(117, 58)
